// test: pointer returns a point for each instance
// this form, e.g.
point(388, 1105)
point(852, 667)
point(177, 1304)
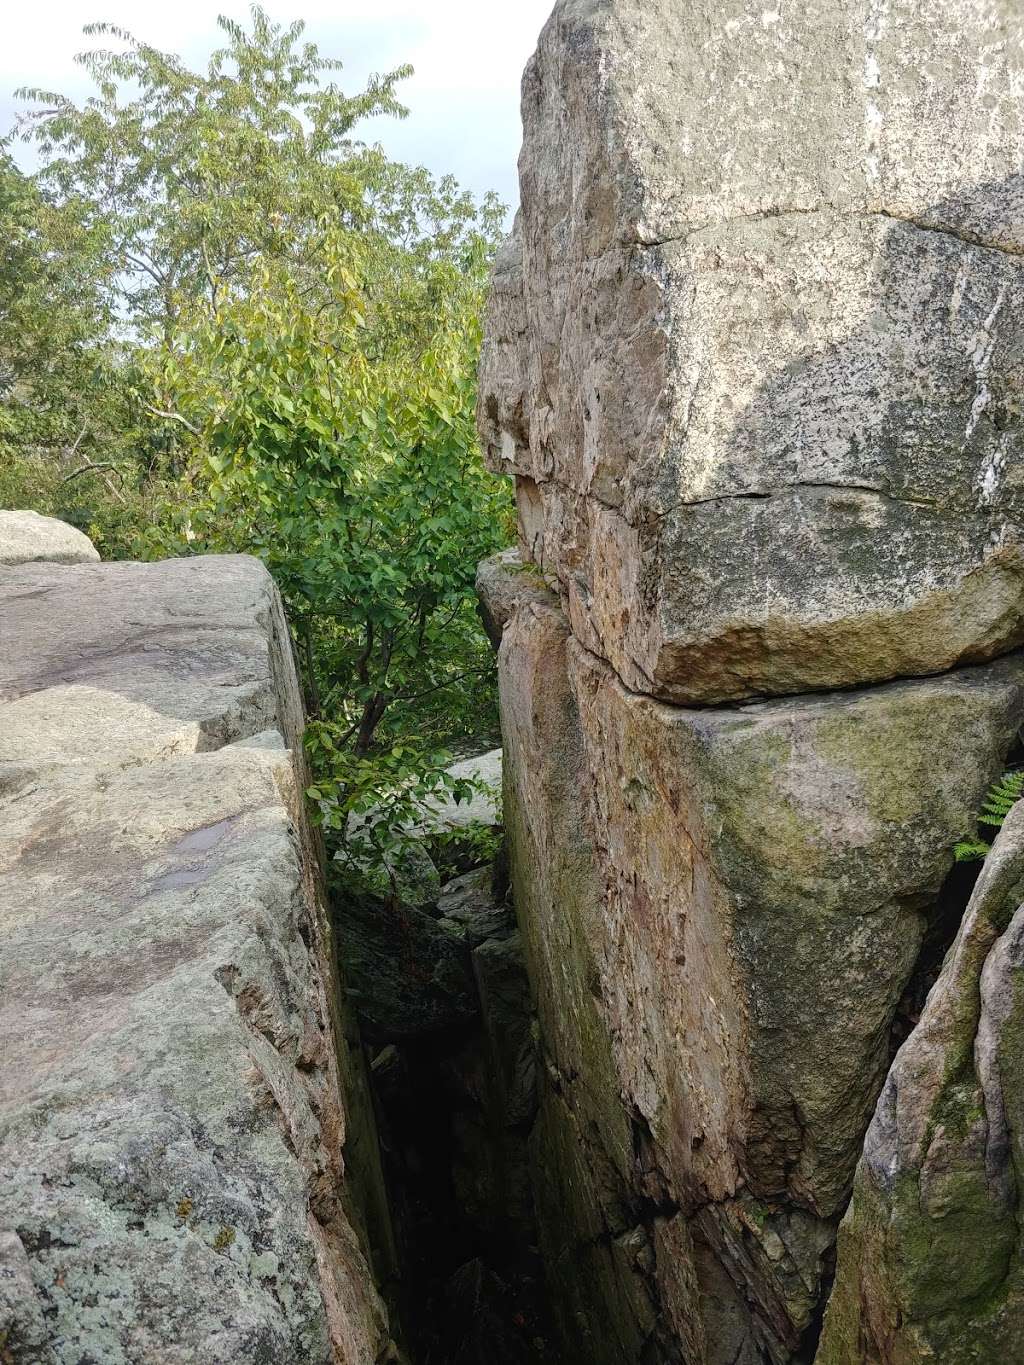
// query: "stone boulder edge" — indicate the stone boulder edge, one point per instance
point(752, 351)
point(188, 1165)
point(26, 537)
point(929, 1263)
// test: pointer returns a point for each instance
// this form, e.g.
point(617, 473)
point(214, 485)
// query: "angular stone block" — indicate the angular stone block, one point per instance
point(755, 350)
point(721, 910)
point(180, 1114)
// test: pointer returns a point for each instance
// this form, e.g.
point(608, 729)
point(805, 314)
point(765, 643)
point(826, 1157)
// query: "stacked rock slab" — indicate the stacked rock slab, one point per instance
point(754, 358)
point(754, 351)
point(721, 909)
point(930, 1264)
point(180, 1108)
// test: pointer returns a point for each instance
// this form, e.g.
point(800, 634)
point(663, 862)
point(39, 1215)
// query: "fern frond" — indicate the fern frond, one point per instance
point(970, 849)
point(1009, 788)
point(999, 800)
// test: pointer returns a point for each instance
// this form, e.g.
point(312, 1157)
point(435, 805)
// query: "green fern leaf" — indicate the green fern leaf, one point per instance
point(999, 800)
point(970, 849)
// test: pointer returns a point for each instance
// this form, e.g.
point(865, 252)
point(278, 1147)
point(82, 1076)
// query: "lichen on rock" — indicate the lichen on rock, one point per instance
point(753, 360)
point(753, 351)
point(722, 909)
point(929, 1253)
point(186, 1151)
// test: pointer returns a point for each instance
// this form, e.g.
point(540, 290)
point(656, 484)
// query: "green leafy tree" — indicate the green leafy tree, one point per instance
point(58, 385)
point(198, 178)
point(74, 435)
point(298, 316)
point(343, 448)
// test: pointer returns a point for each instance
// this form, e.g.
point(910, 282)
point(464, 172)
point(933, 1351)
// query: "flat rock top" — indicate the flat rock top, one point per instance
point(137, 659)
point(171, 1123)
point(28, 538)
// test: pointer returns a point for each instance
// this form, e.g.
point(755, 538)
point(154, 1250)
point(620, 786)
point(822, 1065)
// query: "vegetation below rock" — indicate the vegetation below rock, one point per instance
point(229, 325)
point(1002, 796)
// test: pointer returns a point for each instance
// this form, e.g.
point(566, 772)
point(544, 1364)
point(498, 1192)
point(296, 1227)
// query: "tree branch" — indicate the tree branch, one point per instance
point(78, 440)
point(93, 468)
point(448, 682)
point(101, 468)
point(150, 270)
point(174, 417)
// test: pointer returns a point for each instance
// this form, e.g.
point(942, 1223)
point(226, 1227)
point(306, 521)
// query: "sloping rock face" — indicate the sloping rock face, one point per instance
point(754, 351)
point(930, 1261)
point(185, 1149)
point(754, 358)
point(721, 910)
point(26, 538)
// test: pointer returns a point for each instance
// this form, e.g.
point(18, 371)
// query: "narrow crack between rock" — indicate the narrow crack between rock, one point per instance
point(758, 700)
point(827, 211)
point(444, 1012)
point(783, 490)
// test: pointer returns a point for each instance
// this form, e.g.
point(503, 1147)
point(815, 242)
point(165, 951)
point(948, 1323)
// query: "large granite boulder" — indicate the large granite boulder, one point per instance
point(930, 1265)
point(186, 1153)
point(721, 909)
point(754, 357)
point(754, 351)
point(443, 815)
point(28, 538)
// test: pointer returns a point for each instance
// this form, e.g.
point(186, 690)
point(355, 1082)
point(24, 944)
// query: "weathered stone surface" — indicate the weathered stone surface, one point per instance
point(754, 350)
point(180, 1113)
point(446, 815)
point(754, 356)
point(26, 537)
point(930, 1263)
point(597, 1222)
point(501, 582)
point(468, 905)
point(721, 910)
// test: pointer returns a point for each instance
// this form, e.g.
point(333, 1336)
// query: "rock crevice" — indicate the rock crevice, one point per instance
point(921, 223)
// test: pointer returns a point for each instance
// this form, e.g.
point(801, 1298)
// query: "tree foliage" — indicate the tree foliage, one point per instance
point(286, 326)
point(197, 178)
point(55, 369)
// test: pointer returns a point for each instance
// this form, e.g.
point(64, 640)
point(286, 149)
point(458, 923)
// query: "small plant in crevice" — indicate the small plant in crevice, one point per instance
point(461, 848)
point(389, 819)
point(1001, 798)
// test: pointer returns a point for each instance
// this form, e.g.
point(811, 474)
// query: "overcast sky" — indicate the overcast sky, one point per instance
point(464, 97)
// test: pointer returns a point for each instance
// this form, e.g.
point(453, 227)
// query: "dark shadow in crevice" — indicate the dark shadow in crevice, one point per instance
point(443, 1006)
point(811, 1336)
point(943, 924)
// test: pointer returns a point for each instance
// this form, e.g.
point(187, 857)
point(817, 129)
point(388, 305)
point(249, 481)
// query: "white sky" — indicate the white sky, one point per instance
point(464, 97)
